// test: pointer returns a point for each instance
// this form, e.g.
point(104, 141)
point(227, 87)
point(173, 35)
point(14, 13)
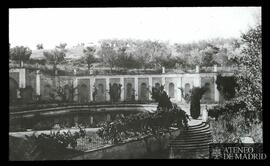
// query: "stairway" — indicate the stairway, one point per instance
point(192, 143)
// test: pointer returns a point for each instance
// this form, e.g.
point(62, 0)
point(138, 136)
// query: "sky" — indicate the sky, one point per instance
point(51, 26)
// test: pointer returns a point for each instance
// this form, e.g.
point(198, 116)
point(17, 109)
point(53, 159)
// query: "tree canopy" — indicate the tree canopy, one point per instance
point(20, 53)
point(249, 77)
point(56, 56)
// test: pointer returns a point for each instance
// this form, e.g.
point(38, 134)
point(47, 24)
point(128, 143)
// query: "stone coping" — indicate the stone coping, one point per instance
point(82, 106)
point(22, 134)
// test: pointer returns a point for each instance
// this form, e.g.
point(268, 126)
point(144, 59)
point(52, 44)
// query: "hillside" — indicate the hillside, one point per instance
point(72, 53)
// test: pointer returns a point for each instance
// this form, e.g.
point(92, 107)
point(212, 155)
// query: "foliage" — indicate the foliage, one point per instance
point(89, 56)
point(166, 116)
point(209, 55)
point(226, 85)
point(107, 53)
point(142, 124)
point(196, 95)
point(249, 77)
point(159, 95)
point(56, 56)
point(230, 122)
point(55, 144)
point(37, 61)
point(154, 54)
point(127, 54)
point(20, 54)
point(230, 130)
point(242, 116)
point(40, 46)
point(229, 108)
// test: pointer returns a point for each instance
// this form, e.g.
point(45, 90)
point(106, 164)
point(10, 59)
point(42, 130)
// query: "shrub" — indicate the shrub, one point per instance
point(143, 123)
point(226, 85)
point(196, 95)
point(54, 145)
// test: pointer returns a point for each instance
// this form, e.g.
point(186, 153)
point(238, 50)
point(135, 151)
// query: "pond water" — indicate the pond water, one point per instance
point(64, 120)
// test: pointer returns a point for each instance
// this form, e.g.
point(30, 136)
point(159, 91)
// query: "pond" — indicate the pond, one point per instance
point(71, 117)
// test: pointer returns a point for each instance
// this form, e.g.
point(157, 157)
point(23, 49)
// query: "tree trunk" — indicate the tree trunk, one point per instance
point(21, 63)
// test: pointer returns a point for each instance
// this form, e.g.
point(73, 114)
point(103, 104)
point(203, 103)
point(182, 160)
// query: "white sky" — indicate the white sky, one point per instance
point(51, 26)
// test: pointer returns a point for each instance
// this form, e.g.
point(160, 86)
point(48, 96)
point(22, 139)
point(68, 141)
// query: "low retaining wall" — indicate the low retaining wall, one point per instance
point(89, 131)
point(87, 108)
point(131, 150)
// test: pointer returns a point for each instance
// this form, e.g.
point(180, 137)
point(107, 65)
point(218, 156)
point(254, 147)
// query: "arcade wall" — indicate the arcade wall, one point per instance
point(135, 87)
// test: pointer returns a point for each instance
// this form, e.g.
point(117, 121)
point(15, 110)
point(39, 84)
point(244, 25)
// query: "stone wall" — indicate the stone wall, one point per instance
point(101, 89)
point(15, 76)
point(143, 91)
point(172, 85)
point(47, 84)
point(129, 89)
point(83, 90)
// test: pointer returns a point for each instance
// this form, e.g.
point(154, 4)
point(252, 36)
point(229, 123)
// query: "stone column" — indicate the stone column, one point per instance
point(216, 92)
point(215, 68)
point(197, 80)
point(22, 78)
point(163, 70)
point(37, 82)
point(107, 89)
point(136, 88)
point(75, 85)
point(177, 90)
point(197, 69)
point(150, 86)
point(91, 120)
point(92, 83)
point(163, 81)
point(122, 89)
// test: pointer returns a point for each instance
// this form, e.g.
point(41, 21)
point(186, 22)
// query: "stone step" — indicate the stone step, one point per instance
point(197, 125)
point(198, 128)
point(193, 149)
point(196, 134)
point(194, 137)
point(189, 142)
point(186, 141)
point(190, 145)
point(204, 130)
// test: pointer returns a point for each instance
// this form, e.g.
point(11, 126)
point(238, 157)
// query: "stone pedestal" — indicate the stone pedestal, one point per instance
point(216, 90)
point(150, 87)
point(136, 88)
point(75, 85)
point(107, 89)
point(91, 87)
point(122, 89)
point(197, 69)
point(22, 78)
point(37, 82)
